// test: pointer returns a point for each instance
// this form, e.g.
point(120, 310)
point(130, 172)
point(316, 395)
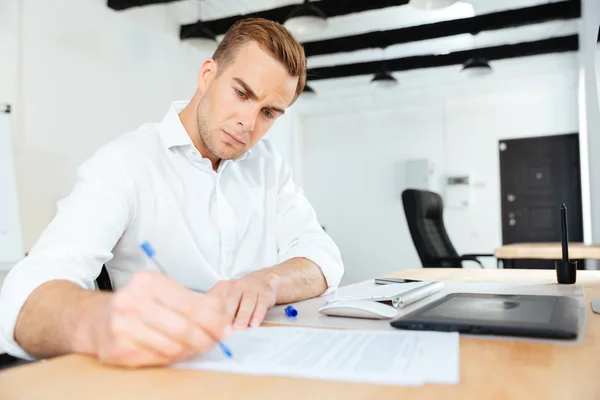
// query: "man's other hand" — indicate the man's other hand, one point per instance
point(248, 299)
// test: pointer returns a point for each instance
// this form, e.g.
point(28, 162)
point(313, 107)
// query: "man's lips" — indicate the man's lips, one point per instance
point(233, 138)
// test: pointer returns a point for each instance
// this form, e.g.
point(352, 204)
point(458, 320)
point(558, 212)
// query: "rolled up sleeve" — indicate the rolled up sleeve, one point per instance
point(299, 234)
point(75, 245)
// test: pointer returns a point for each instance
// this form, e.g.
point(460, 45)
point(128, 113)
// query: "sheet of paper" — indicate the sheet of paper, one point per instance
point(393, 358)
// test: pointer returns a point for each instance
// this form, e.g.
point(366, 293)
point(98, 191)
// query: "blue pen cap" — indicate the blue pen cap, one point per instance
point(291, 312)
point(148, 249)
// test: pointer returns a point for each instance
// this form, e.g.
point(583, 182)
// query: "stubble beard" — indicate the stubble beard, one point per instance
point(209, 141)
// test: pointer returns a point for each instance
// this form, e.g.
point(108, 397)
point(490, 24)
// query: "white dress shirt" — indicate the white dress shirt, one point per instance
point(153, 185)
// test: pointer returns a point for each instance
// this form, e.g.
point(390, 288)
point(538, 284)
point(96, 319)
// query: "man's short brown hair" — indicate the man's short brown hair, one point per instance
point(273, 38)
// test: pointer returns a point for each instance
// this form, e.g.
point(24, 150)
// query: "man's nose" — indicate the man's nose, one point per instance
point(246, 118)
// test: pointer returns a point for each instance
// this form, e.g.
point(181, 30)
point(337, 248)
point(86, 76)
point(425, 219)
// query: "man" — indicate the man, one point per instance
point(217, 204)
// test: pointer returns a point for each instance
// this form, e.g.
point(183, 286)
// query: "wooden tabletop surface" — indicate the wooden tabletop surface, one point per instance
point(548, 251)
point(489, 369)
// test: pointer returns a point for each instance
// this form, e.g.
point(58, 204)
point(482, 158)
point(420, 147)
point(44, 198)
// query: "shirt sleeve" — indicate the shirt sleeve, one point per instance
point(299, 234)
point(76, 244)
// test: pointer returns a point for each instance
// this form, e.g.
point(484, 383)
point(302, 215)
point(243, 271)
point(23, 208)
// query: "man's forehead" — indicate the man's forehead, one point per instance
point(265, 75)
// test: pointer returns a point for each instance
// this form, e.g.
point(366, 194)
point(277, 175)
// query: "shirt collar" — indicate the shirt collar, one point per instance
point(173, 133)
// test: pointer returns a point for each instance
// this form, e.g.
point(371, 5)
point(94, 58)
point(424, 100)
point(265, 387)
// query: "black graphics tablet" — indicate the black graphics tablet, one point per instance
point(555, 317)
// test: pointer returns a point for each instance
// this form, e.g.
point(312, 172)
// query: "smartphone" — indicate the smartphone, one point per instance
point(387, 281)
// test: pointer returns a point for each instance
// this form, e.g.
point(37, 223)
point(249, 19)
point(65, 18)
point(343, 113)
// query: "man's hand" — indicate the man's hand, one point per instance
point(153, 320)
point(248, 299)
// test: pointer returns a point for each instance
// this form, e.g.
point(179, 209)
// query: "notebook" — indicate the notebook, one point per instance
point(400, 294)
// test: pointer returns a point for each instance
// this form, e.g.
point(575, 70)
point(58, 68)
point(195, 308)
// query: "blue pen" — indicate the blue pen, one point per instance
point(149, 250)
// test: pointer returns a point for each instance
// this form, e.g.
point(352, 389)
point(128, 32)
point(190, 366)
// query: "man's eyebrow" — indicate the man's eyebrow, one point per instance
point(277, 109)
point(250, 93)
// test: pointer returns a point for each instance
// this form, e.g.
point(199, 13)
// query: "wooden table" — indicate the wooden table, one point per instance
point(545, 251)
point(489, 369)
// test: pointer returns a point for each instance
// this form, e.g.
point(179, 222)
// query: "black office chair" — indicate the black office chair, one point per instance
point(103, 280)
point(424, 215)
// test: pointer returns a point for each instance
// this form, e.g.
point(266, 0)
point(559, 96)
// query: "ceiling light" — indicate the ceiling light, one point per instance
point(476, 66)
point(431, 4)
point(306, 18)
point(384, 79)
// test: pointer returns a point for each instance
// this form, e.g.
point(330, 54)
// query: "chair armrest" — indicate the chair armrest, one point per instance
point(470, 257)
point(478, 255)
point(461, 258)
point(8, 361)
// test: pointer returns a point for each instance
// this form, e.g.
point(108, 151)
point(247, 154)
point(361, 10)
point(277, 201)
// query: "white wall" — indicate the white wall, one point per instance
point(9, 29)
point(11, 246)
point(86, 75)
point(285, 134)
point(349, 172)
point(350, 160)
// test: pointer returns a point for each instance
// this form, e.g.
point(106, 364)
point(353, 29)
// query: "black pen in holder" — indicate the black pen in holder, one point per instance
point(566, 271)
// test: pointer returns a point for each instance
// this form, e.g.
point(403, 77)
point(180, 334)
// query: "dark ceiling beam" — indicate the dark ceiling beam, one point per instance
point(487, 22)
point(331, 8)
point(552, 45)
point(125, 4)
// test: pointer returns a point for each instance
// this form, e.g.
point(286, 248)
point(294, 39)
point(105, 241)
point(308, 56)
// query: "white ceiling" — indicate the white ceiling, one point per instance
point(398, 16)
point(389, 18)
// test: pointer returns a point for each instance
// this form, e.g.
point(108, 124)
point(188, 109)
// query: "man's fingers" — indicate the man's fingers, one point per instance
point(219, 289)
point(165, 291)
point(209, 314)
point(246, 300)
point(155, 321)
point(197, 324)
point(262, 306)
point(231, 292)
point(149, 339)
point(124, 351)
point(246, 309)
point(232, 295)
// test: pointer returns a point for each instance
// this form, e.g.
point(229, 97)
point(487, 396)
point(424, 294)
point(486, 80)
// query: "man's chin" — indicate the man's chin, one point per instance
point(228, 154)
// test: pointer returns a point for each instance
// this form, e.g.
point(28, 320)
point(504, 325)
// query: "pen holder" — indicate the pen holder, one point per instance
point(566, 271)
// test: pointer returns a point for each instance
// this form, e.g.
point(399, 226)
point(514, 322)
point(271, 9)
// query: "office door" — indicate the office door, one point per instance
point(537, 175)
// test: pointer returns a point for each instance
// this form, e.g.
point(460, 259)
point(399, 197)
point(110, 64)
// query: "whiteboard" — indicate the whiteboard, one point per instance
point(11, 238)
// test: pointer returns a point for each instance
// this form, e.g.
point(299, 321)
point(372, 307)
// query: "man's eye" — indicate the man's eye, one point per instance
point(268, 114)
point(240, 94)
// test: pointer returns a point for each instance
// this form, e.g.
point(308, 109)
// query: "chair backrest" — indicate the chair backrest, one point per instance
point(103, 280)
point(424, 214)
point(8, 361)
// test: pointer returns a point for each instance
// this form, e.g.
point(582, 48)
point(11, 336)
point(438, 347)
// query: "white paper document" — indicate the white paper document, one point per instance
point(392, 358)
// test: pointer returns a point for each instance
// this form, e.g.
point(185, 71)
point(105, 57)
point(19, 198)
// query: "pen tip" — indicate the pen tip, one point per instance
point(226, 351)
point(563, 207)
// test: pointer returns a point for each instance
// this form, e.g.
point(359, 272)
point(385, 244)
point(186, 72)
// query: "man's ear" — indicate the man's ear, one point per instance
point(208, 72)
